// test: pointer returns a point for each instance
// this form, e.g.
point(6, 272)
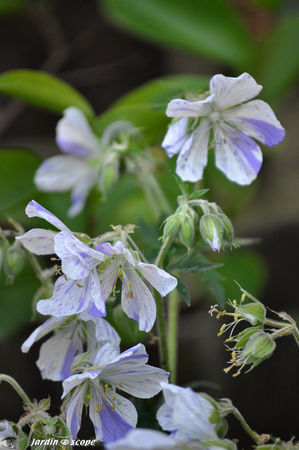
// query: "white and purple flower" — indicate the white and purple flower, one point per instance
point(234, 126)
point(70, 335)
point(136, 298)
point(111, 414)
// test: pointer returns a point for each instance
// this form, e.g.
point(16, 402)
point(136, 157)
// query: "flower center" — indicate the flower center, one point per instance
point(215, 116)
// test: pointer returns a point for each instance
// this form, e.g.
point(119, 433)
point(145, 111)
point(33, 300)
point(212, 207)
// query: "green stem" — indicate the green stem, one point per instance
point(296, 335)
point(39, 273)
point(159, 194)
point(275, 323)
point(15, 385)
point(163, 251)
point(173, 313)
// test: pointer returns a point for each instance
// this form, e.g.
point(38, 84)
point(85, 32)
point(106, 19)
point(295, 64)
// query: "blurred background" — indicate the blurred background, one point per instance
point(105, 49)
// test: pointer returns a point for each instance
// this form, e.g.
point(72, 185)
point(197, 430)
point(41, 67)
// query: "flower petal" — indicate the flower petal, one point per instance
point(165, 412)
point(162, 281)
point(74, 411)
point(111, 414)
point(77, 259)
point(69, 297)
point(108, 277)
point(80, 193)
point(117, 249)
point(74, 135)
point(257, 120)
point(184, 108)
point(105, 355)
point(194, 155)
point(61, 173)
point(230, 91)
point(34, 209)
point(75, 380)
point(175, 137)
point(146, 439)
point(237, 156)
point(56, 365)
point(104, 332)
point(40, 332)
point(137, 300)
point(38, 241)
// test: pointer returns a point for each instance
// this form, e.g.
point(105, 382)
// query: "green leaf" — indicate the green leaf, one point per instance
point(193, 264)
point(213, 285)
point(183, 291)
point(280, 58)
point(145, 106)
point(12, 6)
point(203, 27)
point(17, 169)
point(127, 328)
point(43, 90)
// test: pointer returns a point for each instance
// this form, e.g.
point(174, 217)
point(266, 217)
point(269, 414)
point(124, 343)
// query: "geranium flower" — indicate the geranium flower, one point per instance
point(234, 125)
point(111, 414)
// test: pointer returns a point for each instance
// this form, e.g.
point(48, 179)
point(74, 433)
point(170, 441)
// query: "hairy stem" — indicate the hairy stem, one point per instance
point(15, 385)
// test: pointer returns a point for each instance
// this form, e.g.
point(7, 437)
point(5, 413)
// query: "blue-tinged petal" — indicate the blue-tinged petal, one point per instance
point(175, 137)
point(137, 300)
point(165, 412)
point(74, 135)
point(61, 173)
point(57, 353)
point(114, 250)
point(108, 277)
point(184, 108)
point(69, 297)
point(146, 439)
point(80, 192)
point(40, 332)
point(76, 380)
point(111, 414)
point(230, 91)
point(191, 415)
point(105, 355)
point(194, 155)
point(77, 259)
point(104, 332)
point(162, 281)
point(38, 241)
point(237, 156)
point(34, 209)
point(257, 120)
point(74, 411)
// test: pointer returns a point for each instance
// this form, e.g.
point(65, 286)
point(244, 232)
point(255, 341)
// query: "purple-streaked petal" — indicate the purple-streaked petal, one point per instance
point(74, 411)
point(61, 173)
point(257, 120)
point(175, 137)
point(69, 297)
point(38, 241)
point(137, 300)
point(103, 330)
point(40, 332)
point(194, 155)
point(146, 439)
point(75, 380)
point(165, 412)
point(56, 364)
point(184, 108)
point(114, 250)
point(162, 281)
point(230, 91)
point(77, 259)
point(111, 414)
point(74, 135)
point(108, 277)
point(237, 156)
point(34, 209)
point(105, 354)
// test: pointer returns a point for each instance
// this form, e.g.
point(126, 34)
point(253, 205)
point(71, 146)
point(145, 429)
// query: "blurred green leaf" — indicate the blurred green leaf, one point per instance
point(43, 90)
point(16, 300)
point(193, 264)
point(145, 106)
point(212, 28)
point(268, 4)
point(127, 328)
point(280, 58)
point(212, 283)
point(183, 291)
point(12, 6)
point(17, 168)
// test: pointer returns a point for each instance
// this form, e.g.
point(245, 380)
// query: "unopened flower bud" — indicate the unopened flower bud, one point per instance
point(253, 312)
point(211, 230)
point(260, 346)
point(14, 260)
point(228, 229)
point(171, 226)
point(187, 231)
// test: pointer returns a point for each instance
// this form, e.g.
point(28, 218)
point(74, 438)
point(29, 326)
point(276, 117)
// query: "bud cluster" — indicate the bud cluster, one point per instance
point(214, 226)
point(255, 343)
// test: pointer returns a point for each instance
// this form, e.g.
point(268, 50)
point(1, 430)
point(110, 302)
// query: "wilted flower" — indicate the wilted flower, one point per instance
point(111, 414)
point(59, 351)
point(234, 124)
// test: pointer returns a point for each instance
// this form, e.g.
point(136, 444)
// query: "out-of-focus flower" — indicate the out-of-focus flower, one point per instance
point(234, 124)
point(136, 298)
point(87, 160)
point(58, 352)
point(147, 440)
point(111, 414)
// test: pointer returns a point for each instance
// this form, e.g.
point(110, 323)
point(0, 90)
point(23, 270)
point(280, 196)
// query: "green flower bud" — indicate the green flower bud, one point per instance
point(172, 226)
point(14, 260)
point(108, 176)
point(260, 346)
point(254, 313)
point(187, 231)
point(225, 443)
point(211, 230)
point(228, 229)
